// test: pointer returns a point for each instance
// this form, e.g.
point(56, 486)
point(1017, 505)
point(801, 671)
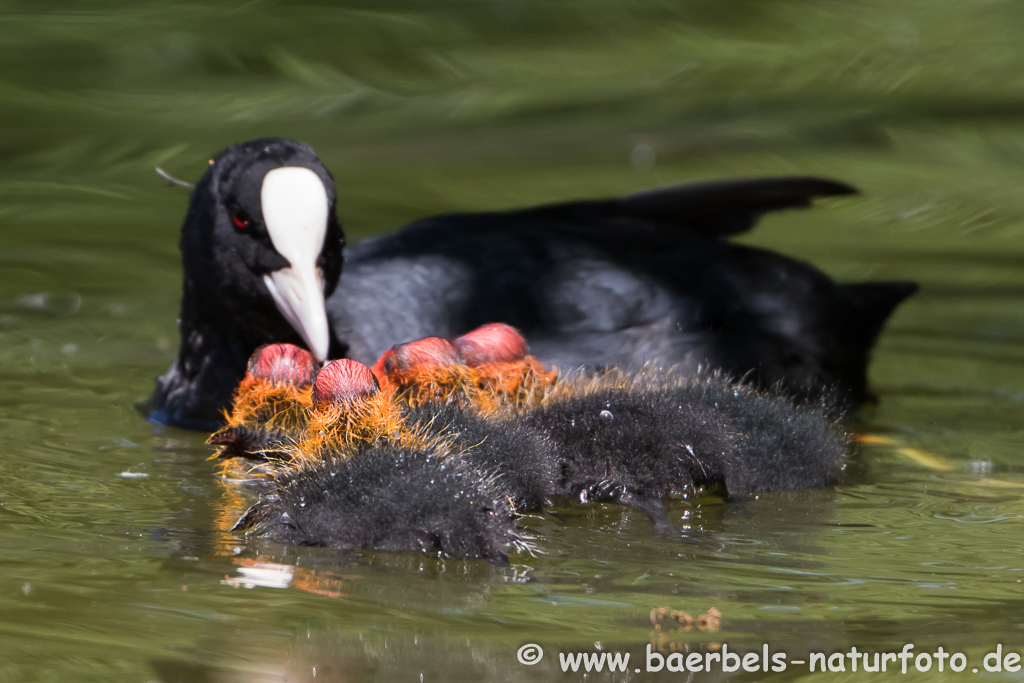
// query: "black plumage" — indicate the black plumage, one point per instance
point(779, 445)
point(226, 310)
point(619, 282)
point(392, 499)
point(616, 443)
point(522, 457)
point(640, 440)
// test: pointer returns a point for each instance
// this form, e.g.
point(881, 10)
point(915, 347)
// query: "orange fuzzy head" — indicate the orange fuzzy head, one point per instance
point(492, 343)
point(283, 364)
point(424, 370)
point(431, 369)
point(350, 412)
point(504, 386)
point(271, 402)
point(505, 377)
point(276, 388)
point(426, 352)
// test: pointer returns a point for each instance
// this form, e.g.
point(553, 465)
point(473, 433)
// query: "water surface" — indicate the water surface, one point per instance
point(114, 564)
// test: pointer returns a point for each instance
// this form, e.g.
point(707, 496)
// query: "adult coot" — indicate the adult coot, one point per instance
point(615, 282)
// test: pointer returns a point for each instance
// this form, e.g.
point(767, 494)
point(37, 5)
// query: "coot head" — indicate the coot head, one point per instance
point(350, 413)
point(490, 343)
point(261, 249)
point(261, 244)
point(343, 381)
point(425, 352)
point(271, 405)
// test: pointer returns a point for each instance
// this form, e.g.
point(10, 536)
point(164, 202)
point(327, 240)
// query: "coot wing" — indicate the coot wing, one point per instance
point(713, 209)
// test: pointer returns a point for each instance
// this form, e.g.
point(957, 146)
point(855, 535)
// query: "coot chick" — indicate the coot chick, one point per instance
point(783, 446)
point(384, 493)
point(630, 466)
point(442, 394)
point(389, 498)
point(618, 282)
point(642, 436)
point(271, 405)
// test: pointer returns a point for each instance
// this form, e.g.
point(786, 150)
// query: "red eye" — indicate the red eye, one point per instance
point(240, 220)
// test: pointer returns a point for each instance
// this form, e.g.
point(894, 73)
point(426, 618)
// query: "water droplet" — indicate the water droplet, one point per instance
point(606, 415)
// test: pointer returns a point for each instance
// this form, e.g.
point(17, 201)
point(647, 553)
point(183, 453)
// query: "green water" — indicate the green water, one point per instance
point(113, 561)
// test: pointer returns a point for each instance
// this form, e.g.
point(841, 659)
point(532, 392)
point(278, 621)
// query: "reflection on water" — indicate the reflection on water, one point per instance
point(117, 564)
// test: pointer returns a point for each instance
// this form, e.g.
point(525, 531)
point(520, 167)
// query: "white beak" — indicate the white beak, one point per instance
point(295, 208)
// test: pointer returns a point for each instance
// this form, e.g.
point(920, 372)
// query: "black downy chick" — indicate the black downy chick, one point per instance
point(781, 445)
point(636, 440)
point(393, 499)
point(521, 456)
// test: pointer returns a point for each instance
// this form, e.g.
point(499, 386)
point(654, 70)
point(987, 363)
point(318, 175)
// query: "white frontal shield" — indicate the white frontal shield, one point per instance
point(295, 208)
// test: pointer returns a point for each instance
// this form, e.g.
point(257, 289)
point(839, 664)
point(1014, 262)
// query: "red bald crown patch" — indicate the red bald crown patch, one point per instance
point(283, 364)
point(344, 381)
point(494, 342)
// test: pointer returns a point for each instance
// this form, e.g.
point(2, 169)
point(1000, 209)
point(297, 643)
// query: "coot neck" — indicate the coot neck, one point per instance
point(211, 362)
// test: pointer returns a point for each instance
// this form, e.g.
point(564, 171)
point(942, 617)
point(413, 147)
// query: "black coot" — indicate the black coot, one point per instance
point(637, 440)
point(390, 498)
point(616, 282)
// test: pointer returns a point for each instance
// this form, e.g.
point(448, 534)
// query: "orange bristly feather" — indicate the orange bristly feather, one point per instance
point(343, 430)
point(491, 388)
point(259, 401)
point(428, 384)
point(511, 386)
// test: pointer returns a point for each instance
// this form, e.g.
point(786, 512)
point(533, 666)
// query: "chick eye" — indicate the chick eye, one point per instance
point(240, 219)
point(389, 365)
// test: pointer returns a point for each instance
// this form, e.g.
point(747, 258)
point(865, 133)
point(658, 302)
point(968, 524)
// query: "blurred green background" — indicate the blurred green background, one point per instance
point(113, 560)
